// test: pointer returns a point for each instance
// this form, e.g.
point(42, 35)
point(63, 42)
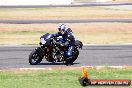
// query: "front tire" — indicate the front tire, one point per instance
point(35, 58)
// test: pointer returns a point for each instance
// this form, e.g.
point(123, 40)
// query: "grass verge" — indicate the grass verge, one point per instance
point(88, 33)
point(59, 79)
point(63, 13)
point(21, 37)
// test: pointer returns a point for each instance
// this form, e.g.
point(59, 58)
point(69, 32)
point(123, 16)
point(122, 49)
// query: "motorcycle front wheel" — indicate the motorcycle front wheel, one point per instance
point(35, 58)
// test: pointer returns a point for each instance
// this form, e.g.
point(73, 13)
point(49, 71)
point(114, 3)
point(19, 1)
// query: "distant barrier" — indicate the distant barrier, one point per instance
point(35, 2)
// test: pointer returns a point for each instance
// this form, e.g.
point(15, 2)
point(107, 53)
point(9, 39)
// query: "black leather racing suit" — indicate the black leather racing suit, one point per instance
point(67, 40)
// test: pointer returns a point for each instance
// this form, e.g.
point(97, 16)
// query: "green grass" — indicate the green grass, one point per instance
point(58, 78)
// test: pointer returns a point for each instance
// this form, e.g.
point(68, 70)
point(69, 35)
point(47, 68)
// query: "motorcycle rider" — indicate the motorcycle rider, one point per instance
point(67, 40)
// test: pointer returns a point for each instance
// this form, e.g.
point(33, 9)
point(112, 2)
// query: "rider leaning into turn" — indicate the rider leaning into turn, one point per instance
point(67, 40)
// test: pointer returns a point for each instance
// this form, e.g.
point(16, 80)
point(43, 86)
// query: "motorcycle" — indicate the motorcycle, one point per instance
point(52, 52)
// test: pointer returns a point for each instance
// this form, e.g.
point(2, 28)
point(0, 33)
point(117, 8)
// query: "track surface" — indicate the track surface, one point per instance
point(93, 55)
point(75, 4)
point(64, 21)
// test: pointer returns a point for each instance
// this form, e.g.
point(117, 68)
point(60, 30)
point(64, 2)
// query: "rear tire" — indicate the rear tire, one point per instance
point(70, 61)
point(35, 58)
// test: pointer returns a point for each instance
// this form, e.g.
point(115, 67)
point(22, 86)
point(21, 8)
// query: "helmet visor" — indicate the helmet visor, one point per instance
point(59, 29)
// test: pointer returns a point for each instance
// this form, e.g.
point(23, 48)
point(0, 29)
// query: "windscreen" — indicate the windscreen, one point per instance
point(46, 36)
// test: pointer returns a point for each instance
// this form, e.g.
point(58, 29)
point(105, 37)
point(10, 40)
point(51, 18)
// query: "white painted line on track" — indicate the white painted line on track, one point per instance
point(72, 68)
point(63, 68)
point(27, 69)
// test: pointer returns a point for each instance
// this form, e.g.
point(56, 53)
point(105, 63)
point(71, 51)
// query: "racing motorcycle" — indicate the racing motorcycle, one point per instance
point(52, 52)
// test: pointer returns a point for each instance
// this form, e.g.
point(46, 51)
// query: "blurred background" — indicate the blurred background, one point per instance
point(22, 22)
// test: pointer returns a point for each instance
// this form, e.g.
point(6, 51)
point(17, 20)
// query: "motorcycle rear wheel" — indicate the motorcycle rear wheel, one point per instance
point(71, 60)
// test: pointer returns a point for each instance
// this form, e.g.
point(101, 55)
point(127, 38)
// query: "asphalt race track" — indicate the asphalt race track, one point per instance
point(92, 55)
point(75, 4)
point(64, 21)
